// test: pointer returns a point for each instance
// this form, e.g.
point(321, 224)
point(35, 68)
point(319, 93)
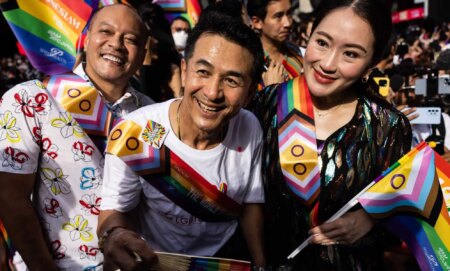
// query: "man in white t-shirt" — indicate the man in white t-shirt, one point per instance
point(180, 175)
point(52, 138)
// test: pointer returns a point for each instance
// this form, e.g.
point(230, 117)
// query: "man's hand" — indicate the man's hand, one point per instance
point(126, 250)
point(276, 73)
point(346, 230)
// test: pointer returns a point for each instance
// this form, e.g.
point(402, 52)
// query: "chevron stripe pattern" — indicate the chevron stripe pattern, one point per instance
point(298, 156)
point(409, 201)
point(83, 101)
point(297, 140)
point(412, 187)
point(125, 142)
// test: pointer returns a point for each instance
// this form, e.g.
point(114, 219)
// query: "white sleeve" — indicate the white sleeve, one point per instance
point(24, 110)
point(255, 190)
point(121, 186)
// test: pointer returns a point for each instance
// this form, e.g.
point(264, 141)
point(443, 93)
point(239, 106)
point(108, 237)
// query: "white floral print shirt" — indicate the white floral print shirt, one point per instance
point(37, 135)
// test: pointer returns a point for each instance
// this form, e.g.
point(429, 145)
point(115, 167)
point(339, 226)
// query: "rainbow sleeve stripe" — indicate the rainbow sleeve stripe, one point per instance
point(297, 140)
point(409, 201)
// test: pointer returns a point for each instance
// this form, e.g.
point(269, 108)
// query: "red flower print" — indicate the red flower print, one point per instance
point(82, 151)
point(37, 135)
point(40, 102)
point(24, 104)
point(52, 207)
point(58, 251)
point(89, 252)
point(50, 150)
point(91, 204)
point(14, 158)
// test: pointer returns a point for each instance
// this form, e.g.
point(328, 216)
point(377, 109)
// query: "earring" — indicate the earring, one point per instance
point(365, 78)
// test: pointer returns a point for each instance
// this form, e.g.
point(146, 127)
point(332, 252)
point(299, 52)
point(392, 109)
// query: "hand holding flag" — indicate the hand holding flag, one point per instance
point(408, 200)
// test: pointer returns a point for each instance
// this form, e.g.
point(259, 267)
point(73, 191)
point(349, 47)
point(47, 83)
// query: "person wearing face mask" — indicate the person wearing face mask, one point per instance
point(159, 75)
point(55, 133)
point(327, 136)
point(180, 28)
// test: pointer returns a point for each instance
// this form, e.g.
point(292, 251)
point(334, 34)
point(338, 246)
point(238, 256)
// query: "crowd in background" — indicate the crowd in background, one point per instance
point(14, 70)
point(415, 48)
point(420, 49)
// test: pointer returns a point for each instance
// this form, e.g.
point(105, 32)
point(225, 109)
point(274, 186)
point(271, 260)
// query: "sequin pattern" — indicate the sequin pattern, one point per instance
point(351, 157)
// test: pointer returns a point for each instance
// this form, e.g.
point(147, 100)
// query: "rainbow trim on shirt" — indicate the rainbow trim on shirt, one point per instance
point(297, 140)
point(293, 62)
point(170, 174)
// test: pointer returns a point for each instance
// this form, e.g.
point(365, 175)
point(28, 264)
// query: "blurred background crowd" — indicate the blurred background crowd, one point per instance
point(420, 49)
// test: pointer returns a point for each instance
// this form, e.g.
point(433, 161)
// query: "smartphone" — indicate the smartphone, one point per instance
point(424, 86)
point(427, 115)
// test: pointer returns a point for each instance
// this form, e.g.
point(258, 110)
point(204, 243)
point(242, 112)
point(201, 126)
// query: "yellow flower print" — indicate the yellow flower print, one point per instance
point(78, 228)
point(55, 180)
point(8, 129)
point(68, 125)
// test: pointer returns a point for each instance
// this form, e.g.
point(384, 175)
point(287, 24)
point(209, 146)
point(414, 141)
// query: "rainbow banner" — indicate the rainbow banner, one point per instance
point(48, 30)
point(297, 140)
point(408, 200)
point(193, 11)
point(182, 262)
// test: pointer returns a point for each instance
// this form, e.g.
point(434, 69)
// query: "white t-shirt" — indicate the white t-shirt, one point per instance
point(165, 225)
point(40, 136)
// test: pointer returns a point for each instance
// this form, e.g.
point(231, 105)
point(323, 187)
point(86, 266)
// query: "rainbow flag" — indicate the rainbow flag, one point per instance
point(443, 172)
point(193, 10)
point(408, 200)
point(48, 30)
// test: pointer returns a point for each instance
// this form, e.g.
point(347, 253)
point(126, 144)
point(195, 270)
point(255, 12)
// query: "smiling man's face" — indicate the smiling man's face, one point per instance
point(217, 80)
point(114, 45)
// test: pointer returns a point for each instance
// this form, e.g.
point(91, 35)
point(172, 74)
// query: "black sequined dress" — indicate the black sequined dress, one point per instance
point(353, 156)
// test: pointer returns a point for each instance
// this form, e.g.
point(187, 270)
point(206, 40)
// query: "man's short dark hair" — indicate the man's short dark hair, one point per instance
point(258, 8)
point(231, 29)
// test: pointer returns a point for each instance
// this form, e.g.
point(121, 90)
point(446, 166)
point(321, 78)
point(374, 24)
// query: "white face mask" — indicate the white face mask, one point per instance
point(180, 39)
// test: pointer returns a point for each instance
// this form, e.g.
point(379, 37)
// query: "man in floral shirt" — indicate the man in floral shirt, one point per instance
point(52, 138)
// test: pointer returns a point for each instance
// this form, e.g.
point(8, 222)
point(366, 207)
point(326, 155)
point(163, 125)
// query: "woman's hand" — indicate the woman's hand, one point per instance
point(346, 230)
point(276, 73)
